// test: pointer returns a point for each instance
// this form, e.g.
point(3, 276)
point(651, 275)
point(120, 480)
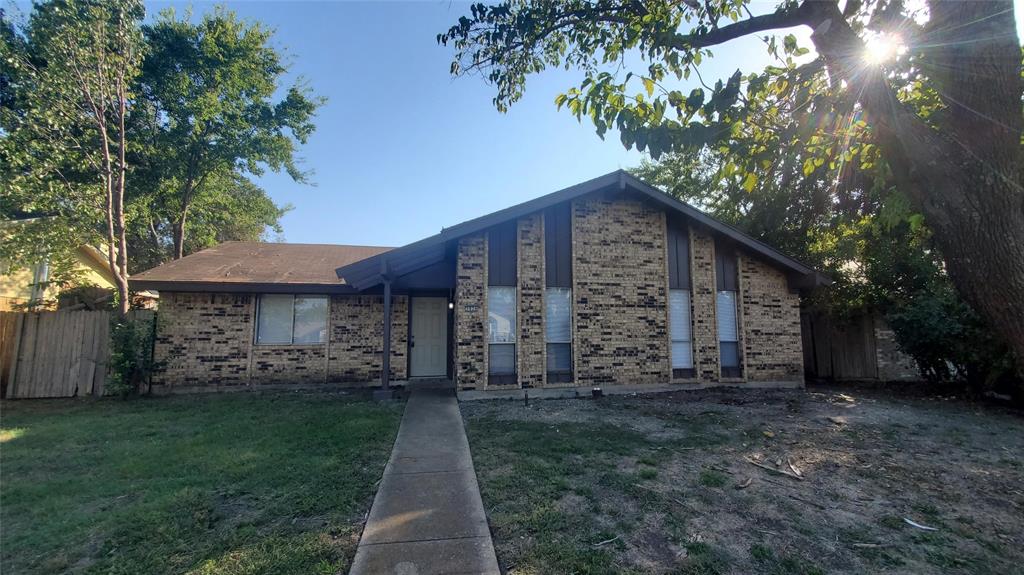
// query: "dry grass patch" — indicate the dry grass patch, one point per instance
point(662, 483)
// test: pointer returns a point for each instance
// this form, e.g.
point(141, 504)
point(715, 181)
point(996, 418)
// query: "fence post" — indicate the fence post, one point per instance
point(19, 323)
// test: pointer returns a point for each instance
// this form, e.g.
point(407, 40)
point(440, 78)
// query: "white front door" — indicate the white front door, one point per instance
point(428, 346)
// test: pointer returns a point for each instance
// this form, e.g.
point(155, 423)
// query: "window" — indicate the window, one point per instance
point(558, 330)
point(728, 338)
point(679, 328)
point(726, 306)
point(681, 352)
point(501, 330)
point(287, 319)
point(558, 295)
point(501, 304)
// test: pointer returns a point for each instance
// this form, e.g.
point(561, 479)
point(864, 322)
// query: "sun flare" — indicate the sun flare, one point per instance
point(883, 48)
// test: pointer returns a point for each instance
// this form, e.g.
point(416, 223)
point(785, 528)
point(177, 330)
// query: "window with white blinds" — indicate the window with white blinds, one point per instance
point(679, 328)
point(558, 328)
point(501, 329)
point(727, 316)
point(727, 281)
point(728, 333)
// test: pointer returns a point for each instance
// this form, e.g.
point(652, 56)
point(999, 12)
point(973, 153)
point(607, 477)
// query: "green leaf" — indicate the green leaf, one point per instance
point(649, 86)
point(696, 99)
point(789, 43)
point(750, 182)
point(808, 167)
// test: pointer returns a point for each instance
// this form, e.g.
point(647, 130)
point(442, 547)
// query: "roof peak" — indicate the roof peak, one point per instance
point(365, 273)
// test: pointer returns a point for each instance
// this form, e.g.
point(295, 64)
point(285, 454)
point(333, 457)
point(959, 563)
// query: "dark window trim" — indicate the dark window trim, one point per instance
point(726, 267)
point(732, 372)
point(684, 373)
point(501, 379)
point(560, 377)
point(678, 237)
point(502, 254)
point(558, 246)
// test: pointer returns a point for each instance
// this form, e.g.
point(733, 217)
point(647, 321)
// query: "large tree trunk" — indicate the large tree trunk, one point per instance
point(966, 176)
point(984, 252)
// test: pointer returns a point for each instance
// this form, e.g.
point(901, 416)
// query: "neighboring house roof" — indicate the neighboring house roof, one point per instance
point(256, 265)
point(96, 260)
point(369, 272)
point(21, 285)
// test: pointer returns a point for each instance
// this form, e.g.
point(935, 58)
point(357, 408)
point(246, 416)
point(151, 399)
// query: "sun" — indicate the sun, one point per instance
point(883, 48)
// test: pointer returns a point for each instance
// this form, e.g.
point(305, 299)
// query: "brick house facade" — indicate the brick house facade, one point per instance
point(620, 327)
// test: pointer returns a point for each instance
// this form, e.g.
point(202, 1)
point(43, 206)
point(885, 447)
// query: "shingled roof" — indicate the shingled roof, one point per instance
point(256, 266)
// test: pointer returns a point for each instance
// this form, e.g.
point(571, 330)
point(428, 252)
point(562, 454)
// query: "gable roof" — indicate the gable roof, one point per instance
point(400, 261)
point(258, 265)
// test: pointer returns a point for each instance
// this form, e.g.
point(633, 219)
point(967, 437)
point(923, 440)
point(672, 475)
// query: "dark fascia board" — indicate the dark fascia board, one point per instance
point(241, 287)
point(373, 270)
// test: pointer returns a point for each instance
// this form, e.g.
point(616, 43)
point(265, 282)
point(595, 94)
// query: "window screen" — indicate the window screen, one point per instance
point(310, 320)
point(275, 319)
point(284, 318)
point(679, 328)
point(501, 329)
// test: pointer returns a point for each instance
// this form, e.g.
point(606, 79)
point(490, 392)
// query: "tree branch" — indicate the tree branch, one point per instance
point(800, 16)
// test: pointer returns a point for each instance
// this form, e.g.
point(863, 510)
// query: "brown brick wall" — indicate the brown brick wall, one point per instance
point(203, 338)
point(357, 338)
point(619, 288)
point(306, 363)
point(620, 327)
point(207, 339)
point(770, 324)
point(471, 312)
point(703, 290)
point(893, 364)
point(530, 317)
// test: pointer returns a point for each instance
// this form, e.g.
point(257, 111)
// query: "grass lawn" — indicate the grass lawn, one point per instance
point(661, 483)
point(210, 484)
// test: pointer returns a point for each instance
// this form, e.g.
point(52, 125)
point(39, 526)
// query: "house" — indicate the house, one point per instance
point(31, 288)
point(607, 283)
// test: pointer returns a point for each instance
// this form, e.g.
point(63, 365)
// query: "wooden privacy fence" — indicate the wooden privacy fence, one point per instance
point(862, 347)
point(56, 354)
point(839, 350)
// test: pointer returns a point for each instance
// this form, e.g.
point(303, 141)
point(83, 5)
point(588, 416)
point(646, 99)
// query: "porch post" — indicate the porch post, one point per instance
point(385, 372)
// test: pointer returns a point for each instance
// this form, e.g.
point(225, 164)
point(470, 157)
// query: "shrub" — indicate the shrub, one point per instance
point(131, 354)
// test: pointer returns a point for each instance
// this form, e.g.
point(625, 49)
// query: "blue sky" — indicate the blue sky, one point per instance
point(402, 148)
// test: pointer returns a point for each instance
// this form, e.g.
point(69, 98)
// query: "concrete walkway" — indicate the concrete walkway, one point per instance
point(427, 517)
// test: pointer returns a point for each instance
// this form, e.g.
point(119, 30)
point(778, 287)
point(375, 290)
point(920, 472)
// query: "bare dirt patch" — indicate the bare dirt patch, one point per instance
point(669, 477)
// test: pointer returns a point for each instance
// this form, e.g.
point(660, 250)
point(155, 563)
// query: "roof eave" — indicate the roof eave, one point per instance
point(239, 287)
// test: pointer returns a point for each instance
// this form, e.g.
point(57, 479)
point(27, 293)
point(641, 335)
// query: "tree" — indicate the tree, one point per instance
point(939, 105)
point(210, 90)
point(64, 151)
point(231, 208)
